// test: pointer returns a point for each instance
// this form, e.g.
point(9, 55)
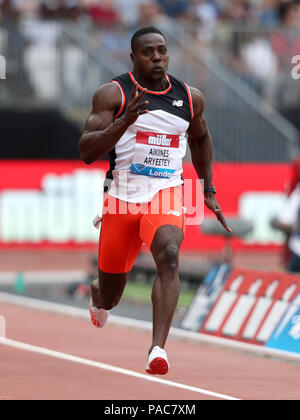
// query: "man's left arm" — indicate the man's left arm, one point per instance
point(201, 146)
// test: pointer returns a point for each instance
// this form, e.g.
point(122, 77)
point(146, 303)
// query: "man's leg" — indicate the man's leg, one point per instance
point(119, 245)
point(166, 289)
point(106, 294)
point(108, 289)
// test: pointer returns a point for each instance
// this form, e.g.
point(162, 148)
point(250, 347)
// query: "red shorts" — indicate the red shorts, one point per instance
point(126, 226)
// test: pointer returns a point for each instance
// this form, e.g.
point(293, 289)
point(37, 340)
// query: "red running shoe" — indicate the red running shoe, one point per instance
point(158, 362)
point(98, 316)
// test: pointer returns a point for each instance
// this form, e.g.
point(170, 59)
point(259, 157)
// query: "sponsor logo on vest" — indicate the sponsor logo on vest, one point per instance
point(160, 140)
point(138, 167)
point(179, 104)
point(160, 174)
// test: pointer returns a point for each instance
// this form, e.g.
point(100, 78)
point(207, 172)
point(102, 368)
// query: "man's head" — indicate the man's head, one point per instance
point(150, 53)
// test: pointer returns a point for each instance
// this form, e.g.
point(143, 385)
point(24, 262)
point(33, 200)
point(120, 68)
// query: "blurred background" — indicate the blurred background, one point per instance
point(239, 53)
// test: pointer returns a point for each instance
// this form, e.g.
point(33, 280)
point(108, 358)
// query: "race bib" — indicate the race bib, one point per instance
point(156, 155)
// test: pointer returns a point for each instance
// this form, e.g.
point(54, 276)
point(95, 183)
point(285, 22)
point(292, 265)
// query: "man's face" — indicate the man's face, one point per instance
point(150, 56)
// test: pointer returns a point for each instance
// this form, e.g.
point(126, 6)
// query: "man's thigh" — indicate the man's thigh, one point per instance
point(119, 242)
point(165, 210)
point(111, 286)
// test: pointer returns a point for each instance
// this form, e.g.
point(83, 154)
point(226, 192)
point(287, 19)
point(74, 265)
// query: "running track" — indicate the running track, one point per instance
point(80, 362)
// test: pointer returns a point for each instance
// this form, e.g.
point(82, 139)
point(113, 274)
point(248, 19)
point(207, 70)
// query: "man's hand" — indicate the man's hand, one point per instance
point(102, 131)
point(213, 205)
point(134, 107)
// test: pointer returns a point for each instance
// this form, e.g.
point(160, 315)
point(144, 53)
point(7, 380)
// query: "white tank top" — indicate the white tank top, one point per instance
point(148, 157)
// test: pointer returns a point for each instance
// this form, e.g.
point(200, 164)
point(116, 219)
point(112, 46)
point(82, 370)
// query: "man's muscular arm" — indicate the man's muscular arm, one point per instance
point(200, 141)
point(101, 132)
point(201, 146)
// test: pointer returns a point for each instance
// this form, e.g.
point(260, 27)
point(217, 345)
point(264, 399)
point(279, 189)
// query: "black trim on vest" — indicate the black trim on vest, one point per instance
point(109, 174)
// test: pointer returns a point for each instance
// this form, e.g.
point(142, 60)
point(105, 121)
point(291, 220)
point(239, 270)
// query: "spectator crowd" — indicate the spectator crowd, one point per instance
point(108, 13)
point(257, 42)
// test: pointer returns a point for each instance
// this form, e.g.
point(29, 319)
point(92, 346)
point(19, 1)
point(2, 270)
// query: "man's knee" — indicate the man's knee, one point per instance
point(109, 302)
point(106, 300)
point(168, 257)
point(165, 248)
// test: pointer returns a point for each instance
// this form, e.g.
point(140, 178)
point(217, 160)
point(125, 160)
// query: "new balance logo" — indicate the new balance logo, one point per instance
point(178, 103)
point(174, 213)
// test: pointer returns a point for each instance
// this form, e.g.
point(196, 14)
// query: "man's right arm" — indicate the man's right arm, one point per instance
point(101, 131)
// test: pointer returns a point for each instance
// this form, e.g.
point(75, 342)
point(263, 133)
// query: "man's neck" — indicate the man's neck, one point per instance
point(159, 85)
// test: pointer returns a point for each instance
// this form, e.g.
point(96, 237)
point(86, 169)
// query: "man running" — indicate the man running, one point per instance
point(140, 120)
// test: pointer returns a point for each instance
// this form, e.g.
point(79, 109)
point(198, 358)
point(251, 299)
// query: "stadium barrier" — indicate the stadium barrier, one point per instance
point(256, 307)
point(287, 334)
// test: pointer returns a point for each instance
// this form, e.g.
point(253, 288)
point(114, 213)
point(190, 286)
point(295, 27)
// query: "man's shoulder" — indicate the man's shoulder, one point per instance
point(109, 87)
point(109, 93)
point(198, 100)
point(105, 90)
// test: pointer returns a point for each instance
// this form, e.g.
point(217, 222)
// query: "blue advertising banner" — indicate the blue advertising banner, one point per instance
point(287, 334)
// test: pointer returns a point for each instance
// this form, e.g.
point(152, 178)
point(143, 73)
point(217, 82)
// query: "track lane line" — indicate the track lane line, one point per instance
point(204, 339)
point(79, 360)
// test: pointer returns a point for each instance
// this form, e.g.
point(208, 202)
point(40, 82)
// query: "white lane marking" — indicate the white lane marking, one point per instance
point(8, 278)
point(91, 363)
point(177, 333)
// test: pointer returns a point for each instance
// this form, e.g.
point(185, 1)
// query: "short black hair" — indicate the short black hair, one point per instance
point(144, 31)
